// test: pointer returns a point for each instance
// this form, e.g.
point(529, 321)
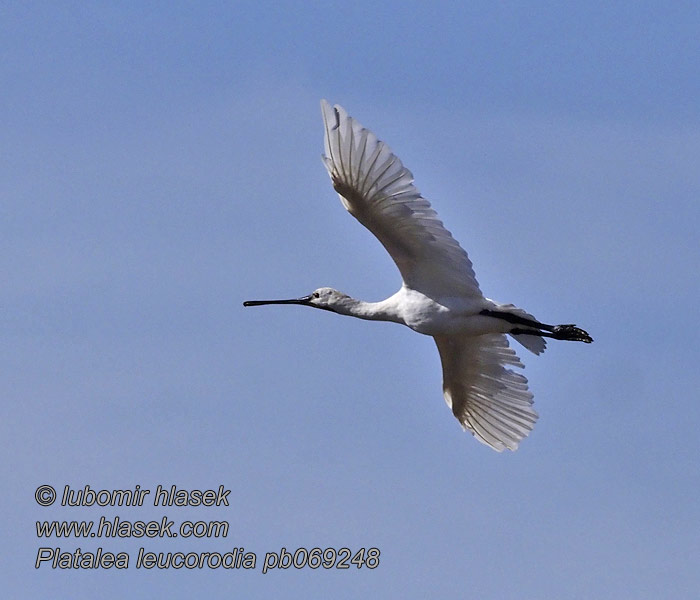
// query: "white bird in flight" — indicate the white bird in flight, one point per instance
point(440, 296)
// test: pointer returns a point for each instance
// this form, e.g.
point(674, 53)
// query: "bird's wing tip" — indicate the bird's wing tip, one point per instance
point(327, 110)
point(332, 115)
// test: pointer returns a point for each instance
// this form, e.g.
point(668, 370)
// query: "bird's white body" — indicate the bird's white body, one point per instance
point(441, 316)
point(440, 296)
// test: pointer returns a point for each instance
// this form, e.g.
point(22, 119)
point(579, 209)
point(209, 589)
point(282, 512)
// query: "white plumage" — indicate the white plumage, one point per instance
point(440, 296)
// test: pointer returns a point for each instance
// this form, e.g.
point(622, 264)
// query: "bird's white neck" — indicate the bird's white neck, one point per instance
point(371, 311)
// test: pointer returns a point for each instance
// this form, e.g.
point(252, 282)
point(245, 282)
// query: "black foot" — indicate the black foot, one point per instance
point(571, 333)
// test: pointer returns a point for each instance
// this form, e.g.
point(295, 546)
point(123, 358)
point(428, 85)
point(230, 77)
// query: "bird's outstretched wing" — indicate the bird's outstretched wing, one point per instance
point(488, 399)
point(378, 191)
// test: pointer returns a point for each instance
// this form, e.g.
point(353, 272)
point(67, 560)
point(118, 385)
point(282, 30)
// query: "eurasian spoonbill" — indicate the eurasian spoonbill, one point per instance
point(440, 296)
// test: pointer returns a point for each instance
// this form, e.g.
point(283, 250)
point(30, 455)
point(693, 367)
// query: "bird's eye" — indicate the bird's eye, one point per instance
point(315, 295)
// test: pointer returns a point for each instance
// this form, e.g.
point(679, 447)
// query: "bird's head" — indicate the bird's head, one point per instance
point(325, 298)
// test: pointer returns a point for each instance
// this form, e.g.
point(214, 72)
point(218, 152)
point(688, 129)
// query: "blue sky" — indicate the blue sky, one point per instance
point(160, 165)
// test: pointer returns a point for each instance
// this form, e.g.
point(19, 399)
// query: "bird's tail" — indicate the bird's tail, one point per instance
point(534, 343)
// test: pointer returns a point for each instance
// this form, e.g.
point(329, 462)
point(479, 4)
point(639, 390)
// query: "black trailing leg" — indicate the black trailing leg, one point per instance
point(557, 332)
point(570, 333)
